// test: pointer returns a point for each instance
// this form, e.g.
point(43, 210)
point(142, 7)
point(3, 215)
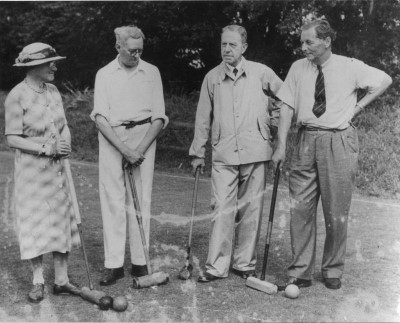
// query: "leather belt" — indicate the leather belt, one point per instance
point(308, 128)
point(131, 124)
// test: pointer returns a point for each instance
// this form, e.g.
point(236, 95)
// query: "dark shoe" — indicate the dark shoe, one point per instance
point(333, 283)
point(68, 288)
point(245, 273)
point(36, 294)
point(112, 275)
point(139, 270)
point(207, 277)
point(301, 283)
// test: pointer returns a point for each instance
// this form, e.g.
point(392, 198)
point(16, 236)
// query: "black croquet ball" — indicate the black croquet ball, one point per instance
point(105, 303)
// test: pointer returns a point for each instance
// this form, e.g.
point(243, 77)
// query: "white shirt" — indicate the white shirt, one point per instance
point(122, 97)
point(342, 77)
point(238, 67)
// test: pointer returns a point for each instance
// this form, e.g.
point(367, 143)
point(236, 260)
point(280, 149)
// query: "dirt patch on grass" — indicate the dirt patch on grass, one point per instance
point(371, 281)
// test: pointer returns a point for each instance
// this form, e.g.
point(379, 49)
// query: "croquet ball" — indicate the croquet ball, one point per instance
point(120, 303)
point(292, 291)
point(105, 303)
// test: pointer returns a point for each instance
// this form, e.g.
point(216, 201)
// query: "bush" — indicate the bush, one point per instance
point(378, 129)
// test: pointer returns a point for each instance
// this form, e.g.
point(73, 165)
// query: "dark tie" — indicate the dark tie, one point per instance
point(235, 71)
point(319, 95)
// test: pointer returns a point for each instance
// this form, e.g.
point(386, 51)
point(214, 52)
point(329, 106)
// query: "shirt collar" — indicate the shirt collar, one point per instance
point(326, 63)
point(228, 69)
point(238, 66)
point(117, 66)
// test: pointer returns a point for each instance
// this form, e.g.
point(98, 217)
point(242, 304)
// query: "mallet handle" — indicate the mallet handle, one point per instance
point(194, 201)
point(271, 219)
point(75, 206)
point(139, 217)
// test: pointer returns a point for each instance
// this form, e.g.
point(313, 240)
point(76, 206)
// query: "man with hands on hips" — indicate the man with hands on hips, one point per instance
point(321, 92)
point(129, 112)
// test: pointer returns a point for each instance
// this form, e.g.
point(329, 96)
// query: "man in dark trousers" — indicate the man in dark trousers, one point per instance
point(321, 91)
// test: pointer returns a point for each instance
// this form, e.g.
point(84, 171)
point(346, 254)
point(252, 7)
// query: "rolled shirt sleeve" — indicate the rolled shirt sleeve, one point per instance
point(203, 121)
point(158, 105)
point(101, 104)
point(367, 77)
point(286, 92)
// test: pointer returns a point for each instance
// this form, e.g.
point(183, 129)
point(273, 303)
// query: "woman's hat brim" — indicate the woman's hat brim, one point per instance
point(40, 61)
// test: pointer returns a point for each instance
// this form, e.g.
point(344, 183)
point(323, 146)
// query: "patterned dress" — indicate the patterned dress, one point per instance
point(43, 206)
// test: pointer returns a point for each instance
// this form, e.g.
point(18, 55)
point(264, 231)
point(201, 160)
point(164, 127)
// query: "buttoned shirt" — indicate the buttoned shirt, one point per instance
point(343, 76)
point(238, 66)
point(122, 97)
point(237, 111)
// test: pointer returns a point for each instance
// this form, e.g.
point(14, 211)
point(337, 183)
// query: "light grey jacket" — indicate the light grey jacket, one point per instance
point(239, 111)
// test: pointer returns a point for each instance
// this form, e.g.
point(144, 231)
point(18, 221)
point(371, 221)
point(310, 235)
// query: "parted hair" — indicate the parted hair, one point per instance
point(123, 33)
point(322, 29)
point(239, 29)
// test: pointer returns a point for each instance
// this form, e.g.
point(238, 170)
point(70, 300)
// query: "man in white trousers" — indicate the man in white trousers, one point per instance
point(129, 113)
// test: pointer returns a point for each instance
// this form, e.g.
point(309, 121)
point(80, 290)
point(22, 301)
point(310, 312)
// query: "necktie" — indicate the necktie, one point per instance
point(319, 95)
point(235, 70)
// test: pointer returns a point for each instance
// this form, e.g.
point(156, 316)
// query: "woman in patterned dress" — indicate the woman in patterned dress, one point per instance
point(37, 128)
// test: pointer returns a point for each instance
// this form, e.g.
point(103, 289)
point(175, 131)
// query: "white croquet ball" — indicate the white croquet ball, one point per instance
point(292, 291)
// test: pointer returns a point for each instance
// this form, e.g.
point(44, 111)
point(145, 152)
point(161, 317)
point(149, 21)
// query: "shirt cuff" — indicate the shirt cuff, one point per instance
point(94, 114)
point(163, 117)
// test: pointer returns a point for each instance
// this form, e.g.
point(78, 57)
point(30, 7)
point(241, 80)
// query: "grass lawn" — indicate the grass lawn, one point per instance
point(371, 282)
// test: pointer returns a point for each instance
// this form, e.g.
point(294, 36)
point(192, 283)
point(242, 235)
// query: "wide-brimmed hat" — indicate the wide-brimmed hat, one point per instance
point(36, 54)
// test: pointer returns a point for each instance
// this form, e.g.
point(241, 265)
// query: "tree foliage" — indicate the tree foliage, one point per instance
point(182, 37)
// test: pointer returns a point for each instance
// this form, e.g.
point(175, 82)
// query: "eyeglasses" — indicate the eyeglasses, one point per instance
point(135, 52)
point(52, 65)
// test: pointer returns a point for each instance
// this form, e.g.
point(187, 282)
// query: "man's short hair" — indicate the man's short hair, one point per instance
point(123, 33)
point(322, 29)
point(239, 29)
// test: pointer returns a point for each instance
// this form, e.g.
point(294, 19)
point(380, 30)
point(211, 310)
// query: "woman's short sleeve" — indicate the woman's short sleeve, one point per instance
point(13, 115)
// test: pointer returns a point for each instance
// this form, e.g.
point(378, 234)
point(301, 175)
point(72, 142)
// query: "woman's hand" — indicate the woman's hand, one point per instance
point(58, 148)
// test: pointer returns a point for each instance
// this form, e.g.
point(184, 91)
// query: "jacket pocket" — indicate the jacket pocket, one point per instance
point(263, 127)
point(215, 133)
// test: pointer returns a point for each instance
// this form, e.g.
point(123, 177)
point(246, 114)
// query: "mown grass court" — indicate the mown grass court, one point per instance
point(370, 291)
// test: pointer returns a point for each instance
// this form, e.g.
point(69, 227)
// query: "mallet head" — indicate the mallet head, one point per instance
point(186, 272)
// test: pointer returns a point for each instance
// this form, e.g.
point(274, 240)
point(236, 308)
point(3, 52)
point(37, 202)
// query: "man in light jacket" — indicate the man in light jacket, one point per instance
point(234, 103)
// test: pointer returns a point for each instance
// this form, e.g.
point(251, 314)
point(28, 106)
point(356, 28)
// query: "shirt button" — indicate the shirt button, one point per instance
point(59, 173)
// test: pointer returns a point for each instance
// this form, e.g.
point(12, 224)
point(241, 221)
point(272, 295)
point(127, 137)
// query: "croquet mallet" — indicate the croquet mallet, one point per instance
point(262, 284)
point(75, 206)
point(151, 279)
point(186, 272)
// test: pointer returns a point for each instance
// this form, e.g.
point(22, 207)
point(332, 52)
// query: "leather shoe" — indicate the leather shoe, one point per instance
point(36, 294)
point(333, 283)
point(112, 275)
point(139, 270)
point(68, 288)
point(301, 283)
point(245, 273)
point(207, 277)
